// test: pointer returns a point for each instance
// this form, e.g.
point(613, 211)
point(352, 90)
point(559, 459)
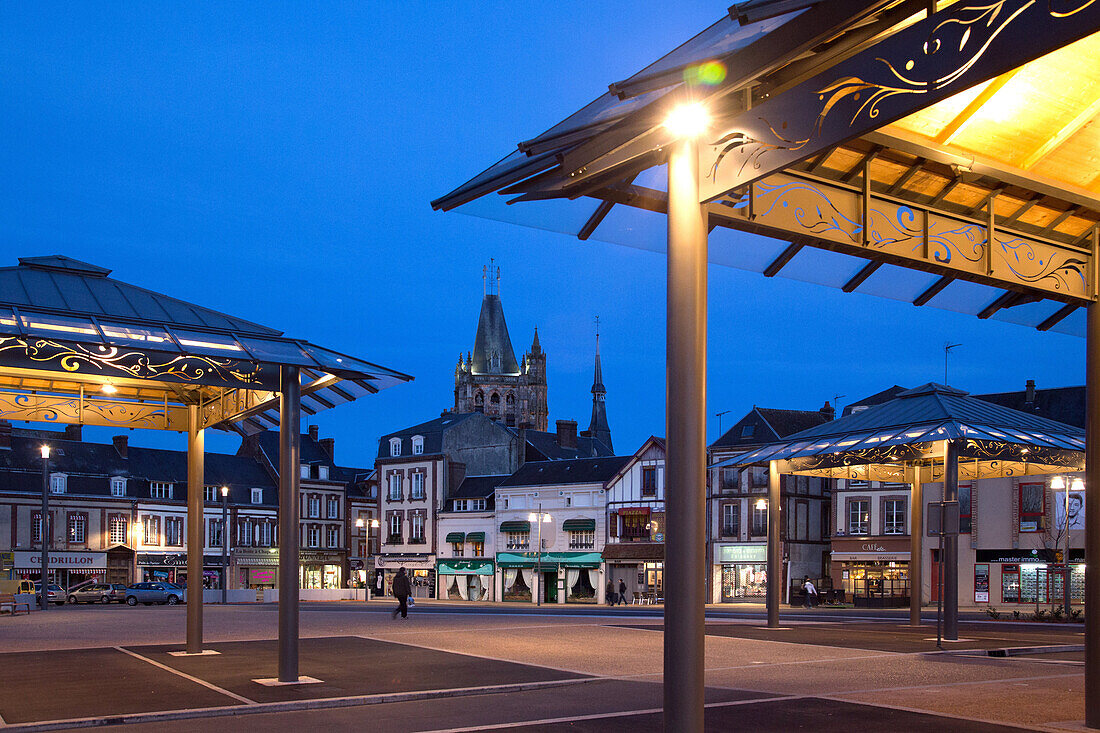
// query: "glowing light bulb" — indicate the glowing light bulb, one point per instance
point(687, 120)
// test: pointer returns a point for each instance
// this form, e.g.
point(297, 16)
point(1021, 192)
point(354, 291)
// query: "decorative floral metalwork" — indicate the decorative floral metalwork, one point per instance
point(137, 364)
point(41, 408)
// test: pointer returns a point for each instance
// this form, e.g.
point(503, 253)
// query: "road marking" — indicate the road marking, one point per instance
point(601, 716)
point(588, 675)
point(196, 680)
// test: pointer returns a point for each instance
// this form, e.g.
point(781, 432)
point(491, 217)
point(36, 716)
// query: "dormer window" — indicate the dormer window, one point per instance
point(257, 496)
point(322, 472)
point(395, 447)
point(57, 483)
point(418, 445)
point(305, 470)
point(118, 486)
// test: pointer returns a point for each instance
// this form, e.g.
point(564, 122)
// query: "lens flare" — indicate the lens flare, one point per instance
point(707, 73)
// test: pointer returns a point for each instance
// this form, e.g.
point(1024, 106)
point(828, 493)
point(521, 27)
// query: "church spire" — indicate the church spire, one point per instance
point(598, 427)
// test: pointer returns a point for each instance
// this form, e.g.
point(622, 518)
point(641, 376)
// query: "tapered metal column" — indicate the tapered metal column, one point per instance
point(45, 533)
point(775, 553)
point(951, 546)
point(290, 417)
point(1092, 516)
point(195, 449)
point(916, 546)
point(685, 399)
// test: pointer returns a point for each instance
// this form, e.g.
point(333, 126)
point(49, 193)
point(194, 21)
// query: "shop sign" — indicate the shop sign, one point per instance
point(756, 553)
point(262, 576)
point(7, 560)
point(870, 556)
point(393, 562)
point(63, 560)
point(320, 558)
point(981, 583)
point(1015, 557)
point(172, 560)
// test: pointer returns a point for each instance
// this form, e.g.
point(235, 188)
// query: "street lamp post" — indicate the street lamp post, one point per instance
point(45, 532)
point(373, 526)
point(539, 518)
point(225, 543)
point(359, 526)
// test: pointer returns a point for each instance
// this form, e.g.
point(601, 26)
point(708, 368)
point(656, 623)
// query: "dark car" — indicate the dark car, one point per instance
point(98, 593)
point(150, 593)
point(54, 593)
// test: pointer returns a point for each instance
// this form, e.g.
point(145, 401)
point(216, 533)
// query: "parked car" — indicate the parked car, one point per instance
point(98, 593)
point(150, 593)
point(54, 593)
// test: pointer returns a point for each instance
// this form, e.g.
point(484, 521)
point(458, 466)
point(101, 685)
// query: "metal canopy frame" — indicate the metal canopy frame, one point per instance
point(856, 136)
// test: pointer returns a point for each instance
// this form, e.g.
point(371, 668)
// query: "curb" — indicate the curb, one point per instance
point(287, 706)
point(1021, 651)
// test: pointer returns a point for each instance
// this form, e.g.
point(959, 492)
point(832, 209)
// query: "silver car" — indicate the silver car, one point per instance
point(98, 593)
point(150, 593)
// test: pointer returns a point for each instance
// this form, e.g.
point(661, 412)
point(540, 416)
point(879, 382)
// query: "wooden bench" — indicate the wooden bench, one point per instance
point(8, 600)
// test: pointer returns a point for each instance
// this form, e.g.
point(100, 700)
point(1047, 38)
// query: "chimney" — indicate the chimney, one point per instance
point(1029, 393)
point(328, 445)
point(567, 433)
point(73, 432)
point(314, 431)
point(5, 435)
point(828, 411)
point(122, 445)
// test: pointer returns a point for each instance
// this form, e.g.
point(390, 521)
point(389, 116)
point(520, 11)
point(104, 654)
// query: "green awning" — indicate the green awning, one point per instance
point(515, 526)
point(456, 538)
point(464, 567)
point(579, 525)
point(475, 537)
point(549, 560)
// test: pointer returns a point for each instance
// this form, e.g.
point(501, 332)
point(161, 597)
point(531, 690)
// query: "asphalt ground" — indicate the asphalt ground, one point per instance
point(443, 671)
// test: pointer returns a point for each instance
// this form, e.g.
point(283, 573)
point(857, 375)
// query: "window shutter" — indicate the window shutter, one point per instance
point(613, 524)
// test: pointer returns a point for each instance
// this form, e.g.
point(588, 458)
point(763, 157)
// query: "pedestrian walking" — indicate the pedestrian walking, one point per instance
point(610, 600)
point(622, 592)
point(811, 593)
point(402, 589)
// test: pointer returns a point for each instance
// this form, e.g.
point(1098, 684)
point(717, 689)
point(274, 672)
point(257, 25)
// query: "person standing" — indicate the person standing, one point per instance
point(401, 591)
point(811, 593)
point(622, 592)
point(610, 600)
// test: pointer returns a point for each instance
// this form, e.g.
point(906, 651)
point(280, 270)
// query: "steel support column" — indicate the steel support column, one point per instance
point(195, 447)
point(775, 551)
point(686, 361)
point(290, 417)
point(916, 548)
point(1092, 516)
point(951, 546)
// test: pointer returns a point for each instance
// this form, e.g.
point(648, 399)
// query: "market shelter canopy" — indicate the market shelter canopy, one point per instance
point(947, 159)
point(77, 346)
point(882, 441)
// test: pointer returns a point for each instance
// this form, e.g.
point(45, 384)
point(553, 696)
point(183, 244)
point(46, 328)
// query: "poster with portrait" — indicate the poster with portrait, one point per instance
point(1076, 510)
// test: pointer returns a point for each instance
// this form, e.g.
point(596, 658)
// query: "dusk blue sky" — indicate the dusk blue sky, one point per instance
point(276, 161)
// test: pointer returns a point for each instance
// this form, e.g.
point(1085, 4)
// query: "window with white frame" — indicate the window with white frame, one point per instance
point(416, 528)
point(215, 532)
point(418, 445)
point(257, 496)
point(150, 526)
point(395, 528)
point(244, 532)
point(731, 519)
point(395, 486)
point(209, 493)
point(265, 534)
point(322, 472)
point(313, 535)
point(57, 483)
point(859, 516)
point(160, 490)
point(333, 537)
point(305, 470)
point(333, 508)
point(894, 519)
point(314, 506)
point(518, 540)
point(78, 528)
point(395, 447)
point(118, 486)
point(173, 531)
point(36, 527)
point(418, 485)
point(117, 530)
point(470, 505)
point(583, 540)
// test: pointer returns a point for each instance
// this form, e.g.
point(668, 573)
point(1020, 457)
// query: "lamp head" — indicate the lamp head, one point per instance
point(108, 388)
point(1077, 484)
point(761, 504)
point(374, 523)
point(225, 491)
point(1057, 483)
point(359, 523)
point(687, 120)
point(45, 451)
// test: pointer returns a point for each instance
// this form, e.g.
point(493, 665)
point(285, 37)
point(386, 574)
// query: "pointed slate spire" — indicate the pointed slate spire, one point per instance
point(536, 347)
point(493, 352)
point(598, 427)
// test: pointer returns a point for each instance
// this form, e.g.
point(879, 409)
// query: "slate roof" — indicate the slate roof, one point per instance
point(478, 487)
point(545, 447)
point(432, 430)
point(492, 337)
point(575, 471)
point(876, 399)
point(768, 424)
point(1063, 404)
point(89, 467)
point(312, 452)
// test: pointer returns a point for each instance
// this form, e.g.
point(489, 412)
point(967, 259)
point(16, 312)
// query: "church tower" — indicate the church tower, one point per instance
point(490, 379)
point(598, 427)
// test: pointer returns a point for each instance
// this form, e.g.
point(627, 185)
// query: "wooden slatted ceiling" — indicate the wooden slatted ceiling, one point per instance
point(1040, 119)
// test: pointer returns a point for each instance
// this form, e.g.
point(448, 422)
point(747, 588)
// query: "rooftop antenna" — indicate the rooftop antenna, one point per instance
point(947, 347)
point(719, 416)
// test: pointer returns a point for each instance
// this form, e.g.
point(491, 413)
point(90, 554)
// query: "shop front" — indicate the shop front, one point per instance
point(640, 566)
point(873, 573)
point(171, 567)
point(420, 569)
point(744, 571)
point(321, 569)
point(466, 580)
point(557, 577)
point(1034, 577)
point(254, 568)
point(65, 568)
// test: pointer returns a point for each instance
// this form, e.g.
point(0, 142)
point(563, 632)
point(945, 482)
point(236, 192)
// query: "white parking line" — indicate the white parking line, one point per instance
point(196, 680)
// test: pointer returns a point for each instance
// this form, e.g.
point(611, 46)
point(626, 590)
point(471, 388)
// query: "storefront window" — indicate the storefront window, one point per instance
point(1010, 583)
point(875, 579)
point(744, 581)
